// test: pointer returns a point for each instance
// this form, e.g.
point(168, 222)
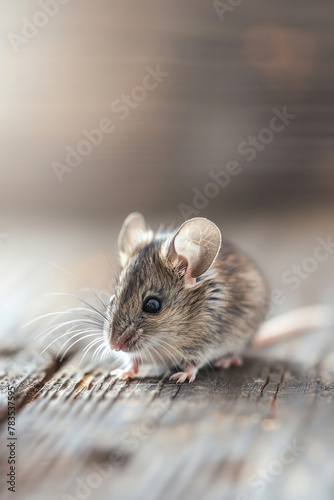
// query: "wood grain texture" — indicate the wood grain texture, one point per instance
point(86, 433)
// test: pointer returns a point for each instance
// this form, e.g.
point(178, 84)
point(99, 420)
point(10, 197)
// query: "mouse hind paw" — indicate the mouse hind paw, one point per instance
point(189, 373)
point(227, 361)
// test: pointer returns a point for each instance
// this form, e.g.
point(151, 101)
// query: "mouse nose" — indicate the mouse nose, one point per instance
point(116, 341)
point(119, 339)
point(117, 345)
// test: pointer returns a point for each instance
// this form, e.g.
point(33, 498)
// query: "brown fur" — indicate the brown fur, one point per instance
point(197, 324)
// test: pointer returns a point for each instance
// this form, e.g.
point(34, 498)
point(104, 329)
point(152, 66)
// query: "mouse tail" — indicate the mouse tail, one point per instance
point(291, 324)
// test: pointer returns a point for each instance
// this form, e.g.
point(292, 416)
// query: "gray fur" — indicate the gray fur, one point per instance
point(197, 324)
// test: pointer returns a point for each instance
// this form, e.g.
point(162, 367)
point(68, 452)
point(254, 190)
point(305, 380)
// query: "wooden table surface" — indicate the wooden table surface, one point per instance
point(264, 430)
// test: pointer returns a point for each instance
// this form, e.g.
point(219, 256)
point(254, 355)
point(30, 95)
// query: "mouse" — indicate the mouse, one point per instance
point(183, 298)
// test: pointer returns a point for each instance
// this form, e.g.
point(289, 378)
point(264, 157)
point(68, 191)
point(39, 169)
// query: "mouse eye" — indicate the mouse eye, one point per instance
point(152, 305)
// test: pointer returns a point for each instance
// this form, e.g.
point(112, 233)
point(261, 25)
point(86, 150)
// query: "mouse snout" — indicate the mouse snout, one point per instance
point(120, 340)
point(118, 346)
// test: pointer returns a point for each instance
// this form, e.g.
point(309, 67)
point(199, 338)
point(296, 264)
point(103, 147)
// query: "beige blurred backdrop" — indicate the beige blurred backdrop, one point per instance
point(228, 69)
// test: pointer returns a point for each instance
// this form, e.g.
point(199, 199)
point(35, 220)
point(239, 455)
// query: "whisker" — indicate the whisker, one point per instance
point(141, 357)
point(88, 347)
point(104, 353)
point(154, 362)
point(85, 330)
point(108, 352)
point(65, 323)
point(153, 343)
point(179, 353)
point(97, 350)
point(156, 351)
point(57, 292)
point(67, 311)
point(51, 291)
point(169, 356)
point(113, 270)
point(75, 342)
point(166, 350)
point(76, 332)
point(138, 353)
point(79, 280)
point(68, 340)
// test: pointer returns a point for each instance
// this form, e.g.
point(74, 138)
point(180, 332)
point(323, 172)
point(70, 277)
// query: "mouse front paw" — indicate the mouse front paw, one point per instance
point(129, 372)
point(189, 373)
point(124, 374)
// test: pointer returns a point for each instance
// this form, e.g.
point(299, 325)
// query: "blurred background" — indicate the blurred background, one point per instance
point(180, 90)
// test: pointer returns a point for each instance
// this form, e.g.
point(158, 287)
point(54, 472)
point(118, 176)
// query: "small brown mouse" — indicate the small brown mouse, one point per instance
point(183, 299)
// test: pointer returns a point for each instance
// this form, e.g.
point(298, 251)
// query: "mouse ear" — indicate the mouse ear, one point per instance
point(197, 244)
point(134, 235)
